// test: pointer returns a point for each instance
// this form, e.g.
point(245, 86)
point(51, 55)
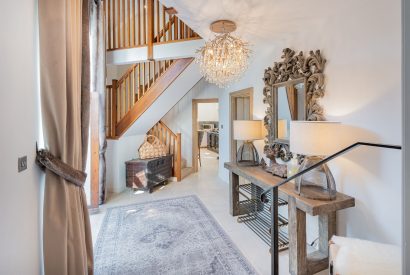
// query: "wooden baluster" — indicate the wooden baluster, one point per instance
point(150, 30)
point(116, 23)
point(163, 23)
point(133, 23)
point(149, 74)
point(129, 22)
point(133, 86)
point(143, 79)
point(120, 100)
point(114, 107)
point(108, 14)
point(130, 103)
point(128, 93)
point(144, 22)
point(122, 103)
point(158, 26)
point(169, 28)
point(139, 22)
point(155, 68)
point(123, 24)
point(138, 81)
point(175, 28)
point(181, 30)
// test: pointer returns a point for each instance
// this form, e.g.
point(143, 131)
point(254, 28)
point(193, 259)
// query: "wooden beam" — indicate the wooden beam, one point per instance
point(95, 150)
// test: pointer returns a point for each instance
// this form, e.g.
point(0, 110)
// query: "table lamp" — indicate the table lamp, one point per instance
point(316, 140)
point(282, 129)
point(247, 131)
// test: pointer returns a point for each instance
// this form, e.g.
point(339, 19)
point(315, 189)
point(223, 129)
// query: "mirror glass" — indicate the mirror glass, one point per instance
point(290, 99)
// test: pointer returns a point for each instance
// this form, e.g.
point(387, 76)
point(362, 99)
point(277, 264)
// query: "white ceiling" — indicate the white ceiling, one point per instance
point(258, 20)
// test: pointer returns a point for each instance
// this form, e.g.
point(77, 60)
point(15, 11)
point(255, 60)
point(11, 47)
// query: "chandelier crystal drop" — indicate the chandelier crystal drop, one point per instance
point(223, 59)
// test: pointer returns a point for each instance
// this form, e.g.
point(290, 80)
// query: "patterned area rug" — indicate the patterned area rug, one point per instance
point(174, 236)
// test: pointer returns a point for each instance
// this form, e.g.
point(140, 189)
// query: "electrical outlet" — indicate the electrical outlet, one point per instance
point(22, 164)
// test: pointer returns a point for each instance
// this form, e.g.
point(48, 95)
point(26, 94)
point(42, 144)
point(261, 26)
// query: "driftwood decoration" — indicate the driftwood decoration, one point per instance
point(292, 67)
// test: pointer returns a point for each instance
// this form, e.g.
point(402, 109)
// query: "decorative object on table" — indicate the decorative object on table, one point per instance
point(293, 167)
point(278, 151)
point(152, 147)
point(263, 163)
point(247, 131)
point(292, 89)
point(145, 174)
point(223, 59)
point(172, 236)
point(315, 140)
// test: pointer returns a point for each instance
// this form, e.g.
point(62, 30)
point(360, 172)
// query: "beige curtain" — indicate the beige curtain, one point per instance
point(64, 72)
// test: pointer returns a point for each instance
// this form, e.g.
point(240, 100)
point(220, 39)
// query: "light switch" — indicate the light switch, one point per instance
point(22, 164)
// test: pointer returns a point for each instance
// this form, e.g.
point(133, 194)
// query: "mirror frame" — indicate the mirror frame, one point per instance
point(292, 69)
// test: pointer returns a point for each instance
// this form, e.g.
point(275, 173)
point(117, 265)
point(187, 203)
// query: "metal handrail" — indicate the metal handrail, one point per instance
point(264, 198)
point(274, 202)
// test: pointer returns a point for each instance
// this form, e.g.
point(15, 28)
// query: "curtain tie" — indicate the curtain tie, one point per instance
point(46, 160)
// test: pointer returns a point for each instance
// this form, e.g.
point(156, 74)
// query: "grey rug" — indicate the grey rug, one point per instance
point(174, 236)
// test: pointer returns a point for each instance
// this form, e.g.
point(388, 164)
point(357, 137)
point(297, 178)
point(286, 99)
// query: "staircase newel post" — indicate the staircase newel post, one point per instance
point(178, 167)
point(114, 108)
point(150, 30)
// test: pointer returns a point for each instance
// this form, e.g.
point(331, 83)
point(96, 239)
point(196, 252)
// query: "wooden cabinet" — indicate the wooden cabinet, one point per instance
point(145, 174)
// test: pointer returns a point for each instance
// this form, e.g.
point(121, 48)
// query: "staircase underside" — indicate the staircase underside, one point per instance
point(172, 94)
point(166, 51)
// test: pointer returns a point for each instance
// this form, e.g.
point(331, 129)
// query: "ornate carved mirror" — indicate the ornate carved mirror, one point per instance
point(292, 89)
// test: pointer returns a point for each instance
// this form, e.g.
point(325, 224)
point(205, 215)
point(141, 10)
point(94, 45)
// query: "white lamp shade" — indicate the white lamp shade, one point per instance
point(247, 129)
point(282, 129)
point(315, 138)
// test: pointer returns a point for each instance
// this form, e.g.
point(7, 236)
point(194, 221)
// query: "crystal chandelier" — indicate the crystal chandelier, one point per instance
point(225, 58)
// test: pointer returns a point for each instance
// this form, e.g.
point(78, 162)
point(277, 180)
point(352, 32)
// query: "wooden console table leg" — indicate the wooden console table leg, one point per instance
point(297, 239)
point(327, 228)
point(234, 209)
point(319, 260)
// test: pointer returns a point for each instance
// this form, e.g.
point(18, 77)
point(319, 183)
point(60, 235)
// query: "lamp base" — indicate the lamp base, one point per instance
point(247, 155)
point(317, 184)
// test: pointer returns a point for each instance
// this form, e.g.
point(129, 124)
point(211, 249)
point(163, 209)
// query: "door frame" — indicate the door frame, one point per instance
point(248, 92)
point(194, 128)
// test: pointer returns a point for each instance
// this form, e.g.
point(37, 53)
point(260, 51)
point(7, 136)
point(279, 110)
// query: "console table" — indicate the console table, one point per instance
point(300, 262)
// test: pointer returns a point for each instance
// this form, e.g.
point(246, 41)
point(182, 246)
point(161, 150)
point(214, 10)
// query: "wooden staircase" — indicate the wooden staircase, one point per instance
point(130, 96)
point(173, 143)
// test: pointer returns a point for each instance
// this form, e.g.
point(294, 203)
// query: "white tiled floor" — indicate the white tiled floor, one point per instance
point(213, 192)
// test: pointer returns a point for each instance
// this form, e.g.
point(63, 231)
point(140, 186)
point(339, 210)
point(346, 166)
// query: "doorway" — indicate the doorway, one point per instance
point(205, 132)
point(241, 106)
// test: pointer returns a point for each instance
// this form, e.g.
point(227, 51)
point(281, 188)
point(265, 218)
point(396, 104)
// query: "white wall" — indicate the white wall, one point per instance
point(362, 45)
point(118, 152)
point(20, 236)
point(208, 111)
point(179, 118)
